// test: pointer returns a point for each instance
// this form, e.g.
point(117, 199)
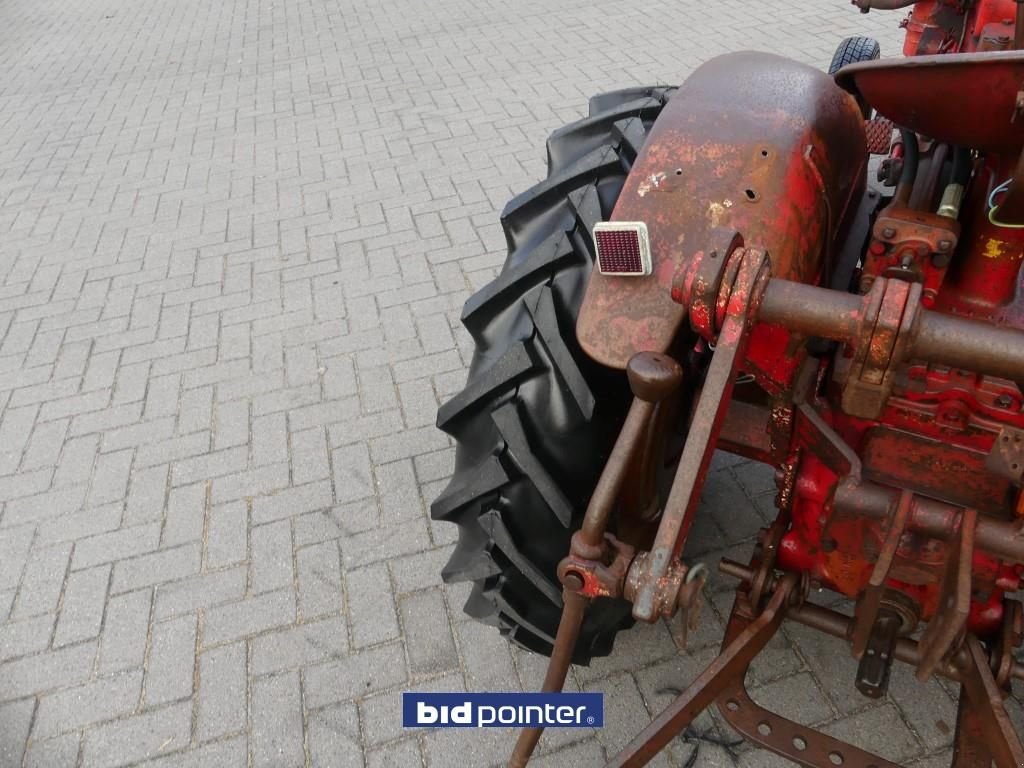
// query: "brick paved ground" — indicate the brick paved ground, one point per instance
point(234, 240)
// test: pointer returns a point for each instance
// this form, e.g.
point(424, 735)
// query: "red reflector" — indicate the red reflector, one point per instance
point(623, 248)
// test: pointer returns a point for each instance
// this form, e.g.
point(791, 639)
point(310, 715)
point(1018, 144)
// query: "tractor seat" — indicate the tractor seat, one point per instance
point(964, 99)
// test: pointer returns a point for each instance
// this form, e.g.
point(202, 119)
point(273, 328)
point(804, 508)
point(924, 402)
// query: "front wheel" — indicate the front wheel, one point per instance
point(851, 51)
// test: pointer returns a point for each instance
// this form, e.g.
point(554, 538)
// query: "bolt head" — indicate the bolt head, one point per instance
point(888, 233)
point(1004, 401)
point(945, 245)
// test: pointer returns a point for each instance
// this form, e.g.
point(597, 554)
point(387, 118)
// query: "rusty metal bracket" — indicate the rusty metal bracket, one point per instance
point(986, 699)
point(597, 578)
point(871, 600)
point(740, 299)
point(970, 748)
point(731, 663)
point(802, 745)
point(946, 628)
point(893, 313)
point(1006, 458)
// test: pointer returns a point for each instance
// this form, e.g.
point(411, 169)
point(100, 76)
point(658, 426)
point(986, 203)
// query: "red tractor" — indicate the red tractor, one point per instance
point(707, 267)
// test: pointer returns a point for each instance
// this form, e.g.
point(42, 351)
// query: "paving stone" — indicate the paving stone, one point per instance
point(226, 542)
point(797, 698)
point(381, 714)
point(292, 502)
point(15, 544)
point(486, 658)
point(299, 646)
point(354, 676)
point(46, 671)
point(926, 707)
point(660, 683)
point(353, 473)
point(831, 664)
point(427, 631)
point(371, 609)
point(125, 628)
point(201, 591)
point(648, 643)
point(36, 509)
point(229, 753)
point(142, 736)
point(72, 709)
point(186, 514)
point(16, 718)
point(41, 585)
point(146, 493)
point(78, 527)
point(147, 570)
point(61, 752)
point(81, 612)
point(115, 545)
point(19, 638)
point(222, 691)
point(271, 565)
point(276, 714)
point(232, 621)
point(319, 575)
point(110, 477)
point(395, 755)
point(880, 730)
point(171, 665)
point(624, 712)
point(458, 747)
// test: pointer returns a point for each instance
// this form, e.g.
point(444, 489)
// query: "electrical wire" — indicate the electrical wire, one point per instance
point(993, 207)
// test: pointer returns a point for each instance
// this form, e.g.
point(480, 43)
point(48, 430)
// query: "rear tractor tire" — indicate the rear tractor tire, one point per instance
point(537, 419)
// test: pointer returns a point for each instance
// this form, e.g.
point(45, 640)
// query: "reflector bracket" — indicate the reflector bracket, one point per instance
point(623, 248)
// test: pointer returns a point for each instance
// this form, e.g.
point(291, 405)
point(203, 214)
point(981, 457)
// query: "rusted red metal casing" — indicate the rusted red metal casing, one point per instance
point(750, 142)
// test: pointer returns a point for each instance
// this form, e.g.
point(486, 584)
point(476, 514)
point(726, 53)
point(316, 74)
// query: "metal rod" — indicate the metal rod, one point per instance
point(574, 607)
point(970, 344)
point(954, 341)
point(595, 522)
point(932, 518)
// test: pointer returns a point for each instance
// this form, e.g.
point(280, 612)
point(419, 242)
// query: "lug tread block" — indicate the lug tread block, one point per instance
point(586, 204)
point(480, 606)
point(501, 376)
point(633, 134)
point(492, 524)
point(466, 486)
point(596, 163)
point(510, 425)
point(550, 336)
point(471, 560)
point(615, 100)
point(543, 261)
point(565, 144)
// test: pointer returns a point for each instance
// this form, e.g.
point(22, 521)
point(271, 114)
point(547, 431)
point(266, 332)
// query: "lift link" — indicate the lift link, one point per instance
point(597, 562)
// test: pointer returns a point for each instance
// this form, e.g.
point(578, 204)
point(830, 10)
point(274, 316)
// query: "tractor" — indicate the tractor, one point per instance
point(711, 268)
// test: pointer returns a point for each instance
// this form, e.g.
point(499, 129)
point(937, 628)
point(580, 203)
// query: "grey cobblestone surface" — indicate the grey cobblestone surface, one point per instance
point(235, 237)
